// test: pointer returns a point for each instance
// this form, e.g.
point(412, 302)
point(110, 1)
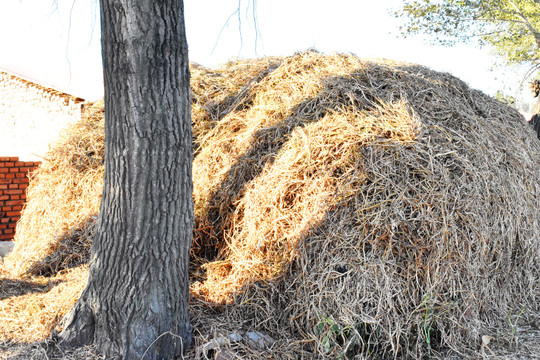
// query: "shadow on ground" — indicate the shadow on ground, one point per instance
point(16, 287)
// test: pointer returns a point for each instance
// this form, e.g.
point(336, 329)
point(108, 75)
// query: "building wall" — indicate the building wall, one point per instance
point(32, 116)
point(13, 183)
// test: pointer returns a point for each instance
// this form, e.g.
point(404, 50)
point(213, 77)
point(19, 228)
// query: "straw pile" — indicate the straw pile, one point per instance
point(32, 308)
point(64, 194)
point(377, 206)
point(349, 208)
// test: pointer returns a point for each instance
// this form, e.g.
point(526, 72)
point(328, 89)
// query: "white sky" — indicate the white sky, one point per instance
point(37, 38)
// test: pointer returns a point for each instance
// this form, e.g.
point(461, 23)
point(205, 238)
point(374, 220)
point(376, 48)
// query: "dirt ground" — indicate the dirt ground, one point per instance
point(520, 342)
point(526, 346)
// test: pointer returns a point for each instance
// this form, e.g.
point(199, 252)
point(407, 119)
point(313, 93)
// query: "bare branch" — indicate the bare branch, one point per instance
point(223, 28)
point(237, 13)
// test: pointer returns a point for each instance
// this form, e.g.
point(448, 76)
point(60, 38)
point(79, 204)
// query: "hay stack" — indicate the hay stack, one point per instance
point(349, 207)
point(64, 194)
point(371, 207)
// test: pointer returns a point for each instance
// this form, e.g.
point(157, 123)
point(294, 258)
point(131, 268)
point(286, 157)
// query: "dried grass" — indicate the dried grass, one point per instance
point(354, 208)
point(395, 205)
point(31, 308)
point(56, 224)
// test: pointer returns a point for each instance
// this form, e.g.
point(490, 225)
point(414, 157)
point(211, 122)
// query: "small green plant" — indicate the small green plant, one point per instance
point(513, 325)
point(432, 312)
point(346, 340)
point(428, 321)
point(332, 333)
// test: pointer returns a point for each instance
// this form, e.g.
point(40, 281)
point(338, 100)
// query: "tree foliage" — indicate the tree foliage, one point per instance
point(507, 99)
point(511, 27)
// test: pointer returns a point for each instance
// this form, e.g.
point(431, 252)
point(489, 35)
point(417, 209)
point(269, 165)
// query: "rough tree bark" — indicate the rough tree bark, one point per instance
point(135, 301)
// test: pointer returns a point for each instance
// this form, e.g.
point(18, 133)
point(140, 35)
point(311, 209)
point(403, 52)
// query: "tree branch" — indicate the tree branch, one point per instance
point(527, 24)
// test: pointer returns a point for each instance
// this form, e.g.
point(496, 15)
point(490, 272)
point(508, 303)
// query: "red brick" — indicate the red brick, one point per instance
point(2, 176)
point(9, 176)
point(15, 197)
point(20, 175)
point(23, 169)
point(13, 186)
point(13, 170)
point(7, 208)
point(3, 158)
point(15, 218)
point(23, 197)
point(19, 163)
point(4, 197)
point(3, 186)
point(13, 192)
point(4, 170)
point(23, 186)
point(14, 158)
point(21, 181)
point(16, 208)
point(13, 213)
point(4, 220)
point(3, 226)
point(9, 164)
point(6, 237)
point(14, 202)
point(8, 231)
point(12, 225)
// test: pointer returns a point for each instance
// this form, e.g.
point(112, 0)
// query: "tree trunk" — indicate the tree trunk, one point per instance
point(135, 302)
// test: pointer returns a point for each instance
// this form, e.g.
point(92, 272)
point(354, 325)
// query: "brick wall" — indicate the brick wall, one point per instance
point(13, 184)
point(32, 116)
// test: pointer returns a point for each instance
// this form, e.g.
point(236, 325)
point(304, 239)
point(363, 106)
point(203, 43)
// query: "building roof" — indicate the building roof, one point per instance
point(50, 88)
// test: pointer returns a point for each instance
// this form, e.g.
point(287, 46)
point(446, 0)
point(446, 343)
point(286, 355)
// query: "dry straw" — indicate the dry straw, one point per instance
point(63, 200)
point(345, 208)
